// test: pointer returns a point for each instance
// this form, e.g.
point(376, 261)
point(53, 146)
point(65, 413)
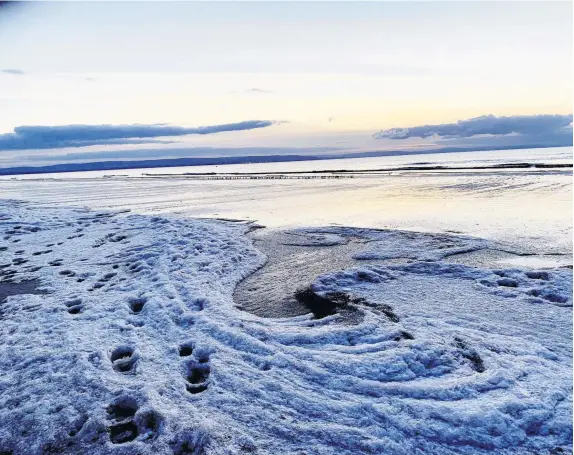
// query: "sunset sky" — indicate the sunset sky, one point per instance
point(319, 77)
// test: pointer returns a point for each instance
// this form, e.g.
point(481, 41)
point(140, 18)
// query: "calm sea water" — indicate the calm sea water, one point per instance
point(531, 208)
point(547, 155)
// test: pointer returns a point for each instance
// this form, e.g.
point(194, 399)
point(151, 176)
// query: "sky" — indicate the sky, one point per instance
point(87, 81)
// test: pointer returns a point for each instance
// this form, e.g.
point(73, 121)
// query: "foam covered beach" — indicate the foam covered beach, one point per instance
point(132, 343)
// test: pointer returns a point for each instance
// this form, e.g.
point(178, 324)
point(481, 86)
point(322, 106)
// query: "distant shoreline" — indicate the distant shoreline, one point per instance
point(310, 174)
point(212, 161)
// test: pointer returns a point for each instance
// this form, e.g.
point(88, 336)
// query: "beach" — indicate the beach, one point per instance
point(151, 329)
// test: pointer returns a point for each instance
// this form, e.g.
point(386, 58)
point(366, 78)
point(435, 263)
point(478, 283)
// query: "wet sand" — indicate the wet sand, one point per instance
point(24, 287)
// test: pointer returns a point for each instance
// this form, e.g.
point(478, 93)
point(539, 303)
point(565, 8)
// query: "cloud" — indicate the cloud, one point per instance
point(259, 90)
point(523, 125)
point(49, 137)
point(14, 72)
point(253, 90)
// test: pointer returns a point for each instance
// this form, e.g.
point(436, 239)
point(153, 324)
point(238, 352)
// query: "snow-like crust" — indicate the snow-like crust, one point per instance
point(136, 348)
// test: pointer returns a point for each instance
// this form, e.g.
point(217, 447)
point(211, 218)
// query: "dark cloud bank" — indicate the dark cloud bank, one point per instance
point(13, 71)
point(50, 137)
point(523, 125)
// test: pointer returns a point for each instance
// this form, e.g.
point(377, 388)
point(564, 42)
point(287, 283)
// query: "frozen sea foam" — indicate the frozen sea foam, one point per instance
point(131, 344)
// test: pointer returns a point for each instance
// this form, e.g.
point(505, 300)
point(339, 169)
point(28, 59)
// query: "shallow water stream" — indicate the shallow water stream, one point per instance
point(292, 264)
